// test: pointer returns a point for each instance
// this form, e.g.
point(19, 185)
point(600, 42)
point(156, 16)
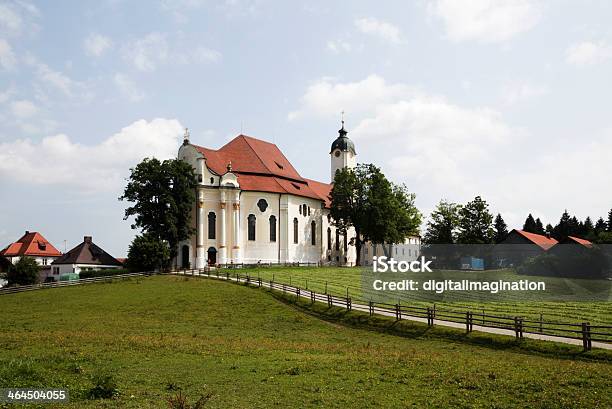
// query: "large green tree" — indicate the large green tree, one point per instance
point(443, 224)
point(24, 272)
point(475, 223)
point(501, 229)
point(147, 253)
point(378, 210)
point(530, 224)
point(163, 194)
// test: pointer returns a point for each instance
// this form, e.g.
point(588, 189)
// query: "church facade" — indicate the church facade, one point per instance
point(252, 206)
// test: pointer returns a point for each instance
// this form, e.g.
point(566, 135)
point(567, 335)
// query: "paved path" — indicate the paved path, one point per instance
point(364, 308)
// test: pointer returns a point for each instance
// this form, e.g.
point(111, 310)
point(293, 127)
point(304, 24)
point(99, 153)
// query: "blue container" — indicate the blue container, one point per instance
point(472, 263)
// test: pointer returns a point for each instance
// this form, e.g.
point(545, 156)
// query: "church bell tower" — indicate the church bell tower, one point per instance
point(342, 152)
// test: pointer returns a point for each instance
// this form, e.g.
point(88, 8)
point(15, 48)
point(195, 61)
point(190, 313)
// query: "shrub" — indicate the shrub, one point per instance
point(179, 401)
point(103, 273)
point(24, 272)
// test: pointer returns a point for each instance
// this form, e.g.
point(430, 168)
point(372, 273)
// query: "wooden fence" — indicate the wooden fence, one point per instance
point(582, 331)
point(516, 324)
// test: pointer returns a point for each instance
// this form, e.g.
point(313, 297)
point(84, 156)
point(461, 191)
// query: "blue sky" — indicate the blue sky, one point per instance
point(505, 99)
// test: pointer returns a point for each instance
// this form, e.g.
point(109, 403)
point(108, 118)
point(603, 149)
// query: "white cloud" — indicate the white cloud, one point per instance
point(127, 88)
point(7, 57)
point(146, 53)
point(327, 97)
point(338, 46)
point(487, 21)
point(517, 91)
point(207, 55)
point(57, 160)
point(96, 44)
point(16, 16)
point(588, 53)
point(23, 109)
point(379, 28)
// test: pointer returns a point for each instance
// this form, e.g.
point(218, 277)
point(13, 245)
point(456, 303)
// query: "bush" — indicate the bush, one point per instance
point(570, 261)
point(147, 253)
point(107, 272)
point(24, 272)
point(179, 401)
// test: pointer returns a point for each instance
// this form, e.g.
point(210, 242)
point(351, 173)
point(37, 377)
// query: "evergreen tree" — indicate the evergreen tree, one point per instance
point(609, 224)
point(574, 227)
point(475, 223)
point(600, 225)
point(443, 223)
point(588, 229)
point(539, 227)
point(530, 224)
point(562, 229)
point(549, 228)
point(501, 229)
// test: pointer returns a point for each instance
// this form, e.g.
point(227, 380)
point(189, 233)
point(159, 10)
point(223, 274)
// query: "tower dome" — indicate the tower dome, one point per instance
point(342, 142)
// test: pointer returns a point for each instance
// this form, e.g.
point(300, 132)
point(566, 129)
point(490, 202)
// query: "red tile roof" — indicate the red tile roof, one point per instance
point(542, 241)
point(31, 244)
point(578, 240)
point(260, 166)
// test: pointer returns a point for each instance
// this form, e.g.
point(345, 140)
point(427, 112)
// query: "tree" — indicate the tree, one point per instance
point(475, 223)
point(549, 229)
point(379, 211)
point(609, 223)
point(163, 194)
point(24, 272)
point(600, 226)
point(562, 229)
point(530, 224)
point(147, 253)
point(501, 229)
point(539, 227)
point(588, 229)
point(443, 224)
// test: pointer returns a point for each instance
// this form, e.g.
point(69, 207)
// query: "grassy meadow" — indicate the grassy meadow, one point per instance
point(565, 300)
point(242, 347)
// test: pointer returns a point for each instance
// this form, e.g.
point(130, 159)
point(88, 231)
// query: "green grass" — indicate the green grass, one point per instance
point(566, 300)
point(252, 348)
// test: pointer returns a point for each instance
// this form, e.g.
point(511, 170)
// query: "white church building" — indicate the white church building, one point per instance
point(253, 206)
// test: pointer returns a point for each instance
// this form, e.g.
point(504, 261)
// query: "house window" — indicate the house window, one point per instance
point(212, 181)
point(295, 230)
point(313, 233)
point(337, 240)
point(272, 228)
point(212, 225)
point(262, 204)
point(251, 227)
point(329, 238)
point(44, 261)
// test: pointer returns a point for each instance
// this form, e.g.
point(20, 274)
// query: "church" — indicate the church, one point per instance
point(252, 206)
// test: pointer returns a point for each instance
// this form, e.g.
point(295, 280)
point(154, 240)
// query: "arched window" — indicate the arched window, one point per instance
point(337, 240)
point(212, 225)
point(272, 228)
point(251, 227)
point(308, 210)
point(295, 230)
point(313, 233)
point(345, 241)
point(329, 238)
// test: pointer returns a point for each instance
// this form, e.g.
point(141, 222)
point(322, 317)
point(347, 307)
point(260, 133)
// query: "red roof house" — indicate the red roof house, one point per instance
point(31, 244)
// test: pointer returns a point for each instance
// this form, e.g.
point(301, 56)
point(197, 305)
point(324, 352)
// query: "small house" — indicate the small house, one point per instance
point(87, 256)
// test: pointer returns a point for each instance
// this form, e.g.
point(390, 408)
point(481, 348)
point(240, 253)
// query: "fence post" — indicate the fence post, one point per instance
point(312, 296)
point(430, 316)
point(259, 281)
point(467, 321)
point(586, 336)
point(541, 322)
point(227, 276)
point(297, 293)
point(326, 287)
point(329, 300)
point(307, 284)
point(397, 312)
point(371, 307)
point(518, 327)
